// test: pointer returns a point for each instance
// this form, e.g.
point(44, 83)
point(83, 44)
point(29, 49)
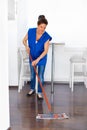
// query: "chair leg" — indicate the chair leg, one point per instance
point(72, 86)
point(70, 81)
point(85, 75)
point(85, 81)
point(20, 85)
point(20, 81)
point(72, 76)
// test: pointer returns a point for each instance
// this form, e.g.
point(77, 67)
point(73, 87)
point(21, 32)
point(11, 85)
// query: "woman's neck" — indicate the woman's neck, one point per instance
point(39, 33)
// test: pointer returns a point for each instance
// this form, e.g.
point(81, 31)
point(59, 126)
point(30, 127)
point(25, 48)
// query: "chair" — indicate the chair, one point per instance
point(24, 74)
point(80, 62)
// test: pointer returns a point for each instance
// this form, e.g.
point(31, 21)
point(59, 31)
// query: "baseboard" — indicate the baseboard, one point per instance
point(56, 82)
point(49, 83)
point(46, 82)
point(9, 128)
point(13, 86)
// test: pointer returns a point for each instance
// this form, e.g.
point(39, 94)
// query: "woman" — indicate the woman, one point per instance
point(37, 47)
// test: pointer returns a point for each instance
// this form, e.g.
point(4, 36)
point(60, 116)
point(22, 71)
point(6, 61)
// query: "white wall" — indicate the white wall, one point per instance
point(67, 19)
point(12, 53)
point(67, 23)
point(22, 26)
point(4, 91)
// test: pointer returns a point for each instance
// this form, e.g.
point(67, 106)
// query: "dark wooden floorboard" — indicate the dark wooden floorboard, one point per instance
point(23, 109)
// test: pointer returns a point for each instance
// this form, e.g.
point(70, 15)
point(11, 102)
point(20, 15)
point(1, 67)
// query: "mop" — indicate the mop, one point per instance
point(50, 115)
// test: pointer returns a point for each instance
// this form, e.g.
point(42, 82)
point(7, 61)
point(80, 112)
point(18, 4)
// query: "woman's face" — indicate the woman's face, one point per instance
point(41, 28)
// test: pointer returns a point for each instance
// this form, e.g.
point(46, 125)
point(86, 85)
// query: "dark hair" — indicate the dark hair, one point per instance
point(41, 20)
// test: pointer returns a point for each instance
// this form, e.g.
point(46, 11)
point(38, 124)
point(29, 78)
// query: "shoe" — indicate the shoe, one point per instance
point(30, 92)
point(39, 95)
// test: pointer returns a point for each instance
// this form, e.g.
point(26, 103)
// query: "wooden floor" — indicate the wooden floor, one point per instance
point(23, 109)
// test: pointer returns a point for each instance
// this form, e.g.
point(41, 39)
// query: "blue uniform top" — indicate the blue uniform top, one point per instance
point(37, 47)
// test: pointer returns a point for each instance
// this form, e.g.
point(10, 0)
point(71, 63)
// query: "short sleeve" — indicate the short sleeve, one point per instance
point(48, 37)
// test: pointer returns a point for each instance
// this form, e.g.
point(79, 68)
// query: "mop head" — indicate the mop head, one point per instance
point(52, 116)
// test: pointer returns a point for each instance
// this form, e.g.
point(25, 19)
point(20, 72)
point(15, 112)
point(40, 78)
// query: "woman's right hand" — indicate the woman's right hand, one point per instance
point(27, 49)
point(25, 43)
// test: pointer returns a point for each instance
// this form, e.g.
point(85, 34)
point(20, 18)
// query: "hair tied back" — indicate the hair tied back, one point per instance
point(41, 17)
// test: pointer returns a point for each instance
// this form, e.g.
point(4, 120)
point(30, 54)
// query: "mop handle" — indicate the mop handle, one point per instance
point(43, 91)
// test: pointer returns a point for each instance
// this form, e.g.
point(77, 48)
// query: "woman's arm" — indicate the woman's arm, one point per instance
point(46, 47)
point(25, 43)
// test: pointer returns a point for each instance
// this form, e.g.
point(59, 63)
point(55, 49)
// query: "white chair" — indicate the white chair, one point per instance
point(79, 62)
point(85, 76)
point(24, 74)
